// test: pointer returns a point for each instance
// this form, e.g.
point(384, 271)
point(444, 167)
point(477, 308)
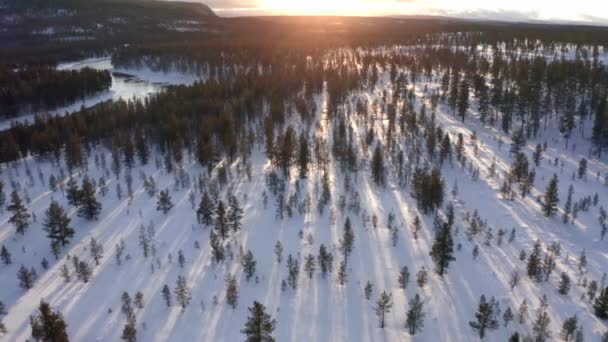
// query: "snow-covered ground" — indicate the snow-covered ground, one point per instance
point(127, 84)
point(320, 309)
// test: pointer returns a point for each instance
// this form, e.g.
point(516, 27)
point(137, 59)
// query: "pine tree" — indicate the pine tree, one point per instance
point(26, 277)
point(5, 256)
point(182, 292)
point(129, 332)
point(249, 264)
point(181, 259)
point(414, 320)
point(325, 260)
point(139, 300)
point(564, 284)
point(369, 287)
point(166, 292)
point(278, 251)
point(205, 210)
point(57, 227)
point(342, 273)
point(582, 168)
point(485, 318)
point(541, 324)
point(89, 208)
point(303, 155)
point(83, 271)
point(48, 325)
point(568, 205)
point(538, 154)
point(164, 203)
point(600, 306)
point(232, 291)
point(235, 214)
point(416, 227)
point(310, 265)
point(73, 193)
point(534, 263)
point(463, 99)
point(522, 312)
point(551, 198)
point(442, 251)
point(96, 250)
point(260, 325)
point(383, 306)
point(377, 166)
point(348, 238)
point(518, 142)
point(404, 277)
point(20, 218)
point(569, 328)
point(508, 316)
point(221, 223)
point(217, 248)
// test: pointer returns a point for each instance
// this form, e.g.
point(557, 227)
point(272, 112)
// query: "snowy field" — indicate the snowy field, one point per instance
point(319, 309)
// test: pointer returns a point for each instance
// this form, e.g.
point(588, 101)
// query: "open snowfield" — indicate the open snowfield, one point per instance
point(319, 309)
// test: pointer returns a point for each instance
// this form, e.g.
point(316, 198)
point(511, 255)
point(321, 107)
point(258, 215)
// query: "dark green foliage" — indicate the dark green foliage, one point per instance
point(89, 208)
point(485, 318)
point(57, 227)
point(442, 251)
point(48, 325)
point(164, 203)
point(20, 218)
point(551, 198)
point(260, 325)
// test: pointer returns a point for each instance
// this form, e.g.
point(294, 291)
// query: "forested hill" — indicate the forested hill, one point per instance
point(53, 27)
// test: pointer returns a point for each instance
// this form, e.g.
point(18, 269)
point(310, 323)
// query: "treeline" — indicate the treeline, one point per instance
point(41, 88)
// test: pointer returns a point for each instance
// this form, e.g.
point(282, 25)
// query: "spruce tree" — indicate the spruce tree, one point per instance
point(383, 306)
point(5, 256)
point(582, 168)
point(442, 251)
point(232, 291)
point(96, 250)
point(303, 155)
point(20, 218)
point(164, 203)
point(310, 265)
point(182, 292)
point(485, 318)
point(205, 210)
point(89, 208)
point(26, 277)
point(551, 198)
point(235, 214)
point(221, 222)
point(348, 238)
point(537, 155)
point(569, 328)
point(564, 284)
point(541, 324)
point(48, 325)
point(57, 227)
point(260, 325)
point(166, 292)
point(73, 193)
point(600, 306)
point(377, 166)
point(404, 277)
point(249, 264)
point(414, 320)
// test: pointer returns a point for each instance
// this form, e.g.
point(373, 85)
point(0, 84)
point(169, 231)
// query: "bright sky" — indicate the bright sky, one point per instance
point(591, 11)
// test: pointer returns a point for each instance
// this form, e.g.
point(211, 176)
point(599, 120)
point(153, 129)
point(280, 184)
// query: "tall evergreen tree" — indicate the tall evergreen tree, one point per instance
point(89, 208)
point(600, 306)
point(485, 318)
point(383, 306)
point(551, 198)
point(205, 210)
point(221, 222)
point(232, 291)
point(164, 203)
point(348, 239)
point(303, 155)
point(5, 256)
point(235, 214)
point(377, 166)
point(414, 320)
point(541, 324)
point(20, 218)
point(57, 227)
point(569, 328)
point(260, 325)
point(442, 251)
point(249, 264)
point(182, 292)
point(48, 325)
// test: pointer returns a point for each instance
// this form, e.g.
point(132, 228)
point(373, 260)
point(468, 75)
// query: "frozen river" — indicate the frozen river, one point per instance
point(126, 84)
